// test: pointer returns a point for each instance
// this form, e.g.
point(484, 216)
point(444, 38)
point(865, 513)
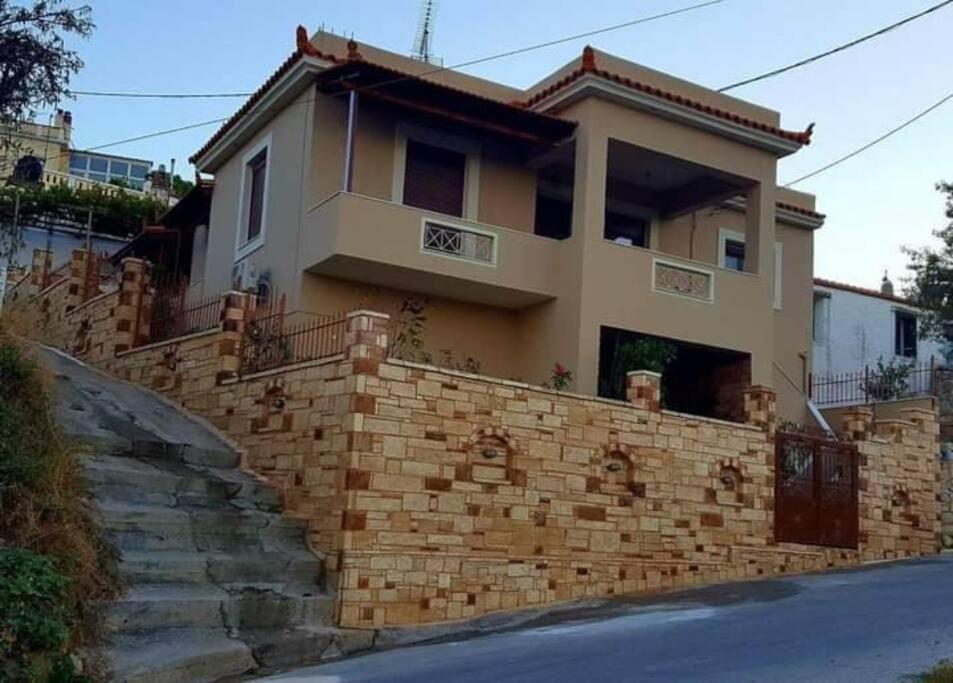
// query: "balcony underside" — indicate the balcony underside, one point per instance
point(368, 271)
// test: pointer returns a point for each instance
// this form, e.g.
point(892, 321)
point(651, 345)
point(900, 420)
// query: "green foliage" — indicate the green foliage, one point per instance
point(114, 213)
point(931, 285)
point(34, 619)
point(180, 186)
point(941, 673)
point(889, 380)
point(24, 447)
point(643, 353)
point(37, 65)
point(55, 566)
point(447, 359)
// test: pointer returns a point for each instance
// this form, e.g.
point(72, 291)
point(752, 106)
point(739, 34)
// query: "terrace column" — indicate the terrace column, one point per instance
point(589, 208)
point(759, 260)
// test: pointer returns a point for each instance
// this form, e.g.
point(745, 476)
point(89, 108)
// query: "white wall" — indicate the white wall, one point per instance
point(859, 330)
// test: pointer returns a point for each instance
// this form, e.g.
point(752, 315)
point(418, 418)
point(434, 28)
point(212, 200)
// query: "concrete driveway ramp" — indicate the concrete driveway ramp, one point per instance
point(219, 583)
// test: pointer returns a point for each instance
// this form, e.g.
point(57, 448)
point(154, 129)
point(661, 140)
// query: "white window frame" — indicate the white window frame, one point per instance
point(778, 275)
point(906, 312)
point(244, 247)
point(472, 166)
point(724, 235)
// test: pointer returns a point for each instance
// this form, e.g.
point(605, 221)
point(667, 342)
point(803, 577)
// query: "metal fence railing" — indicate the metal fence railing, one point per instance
point(872, 384)
point(173, 317)
point(269, 341)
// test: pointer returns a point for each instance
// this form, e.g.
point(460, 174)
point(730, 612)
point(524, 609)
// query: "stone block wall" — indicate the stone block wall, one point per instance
point(437, 495)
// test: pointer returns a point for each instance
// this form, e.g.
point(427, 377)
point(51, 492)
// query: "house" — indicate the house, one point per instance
point(608, 203)
point(43, 153)
point(855, 327)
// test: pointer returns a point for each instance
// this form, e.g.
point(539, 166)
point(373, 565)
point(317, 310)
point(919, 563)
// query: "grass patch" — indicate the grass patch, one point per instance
point(54, 564)
point(941, 673)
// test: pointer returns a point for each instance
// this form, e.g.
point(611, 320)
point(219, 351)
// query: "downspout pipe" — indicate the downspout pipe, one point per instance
point(352, 103)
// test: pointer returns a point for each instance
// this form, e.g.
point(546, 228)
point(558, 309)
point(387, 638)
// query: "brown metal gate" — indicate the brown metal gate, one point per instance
point(815, 490)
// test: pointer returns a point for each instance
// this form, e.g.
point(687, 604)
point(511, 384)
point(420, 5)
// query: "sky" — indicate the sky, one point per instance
point(876, 203)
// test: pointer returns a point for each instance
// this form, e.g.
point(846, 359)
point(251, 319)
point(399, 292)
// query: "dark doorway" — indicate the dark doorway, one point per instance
point(696, 379)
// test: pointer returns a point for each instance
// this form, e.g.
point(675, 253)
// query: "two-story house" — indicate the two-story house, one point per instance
point(607, 203)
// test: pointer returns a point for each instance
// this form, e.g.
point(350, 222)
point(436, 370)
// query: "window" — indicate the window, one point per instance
point(434, 178)
point(252, 216)
point(77, 163)
point(138, 171)
point(98, 165)
point(631, 231)
point(118, 169)
point(822, 303)
point(734, 255)
point(256, 201)
point(905, 334)
point(731, 249)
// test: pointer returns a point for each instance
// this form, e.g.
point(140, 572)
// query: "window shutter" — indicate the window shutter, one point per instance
point(434, 178)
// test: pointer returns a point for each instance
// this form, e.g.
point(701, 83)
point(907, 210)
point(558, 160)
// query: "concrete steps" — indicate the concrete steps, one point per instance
point(219, 585)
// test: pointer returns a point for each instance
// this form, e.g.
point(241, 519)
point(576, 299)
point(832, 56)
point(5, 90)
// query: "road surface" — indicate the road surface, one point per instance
point(877, 623)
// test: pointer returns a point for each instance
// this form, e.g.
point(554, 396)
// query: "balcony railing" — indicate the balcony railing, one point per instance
point(459, 243)
point(51, 178)
point(874, 384)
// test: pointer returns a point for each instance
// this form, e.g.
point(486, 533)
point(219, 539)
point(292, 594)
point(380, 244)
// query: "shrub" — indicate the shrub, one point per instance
point(34, 619)
point(51, 552)
point(889, 380)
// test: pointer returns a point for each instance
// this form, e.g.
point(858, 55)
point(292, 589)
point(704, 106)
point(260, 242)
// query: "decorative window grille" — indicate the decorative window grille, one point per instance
point(458, 242)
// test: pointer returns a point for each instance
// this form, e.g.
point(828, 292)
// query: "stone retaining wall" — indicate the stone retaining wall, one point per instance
point(946, 502)
point(436, 495)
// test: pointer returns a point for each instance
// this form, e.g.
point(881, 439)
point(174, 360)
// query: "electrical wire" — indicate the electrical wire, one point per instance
point(479, 60)
point(864, 148)
point(839, 48)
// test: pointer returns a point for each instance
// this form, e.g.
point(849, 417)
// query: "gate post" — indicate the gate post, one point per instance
point(761, 408)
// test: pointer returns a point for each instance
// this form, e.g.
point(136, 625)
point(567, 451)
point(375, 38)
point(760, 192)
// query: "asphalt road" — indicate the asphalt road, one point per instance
point(878, 623)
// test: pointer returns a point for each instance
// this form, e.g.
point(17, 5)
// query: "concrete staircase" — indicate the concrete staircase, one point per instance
point(219, 584)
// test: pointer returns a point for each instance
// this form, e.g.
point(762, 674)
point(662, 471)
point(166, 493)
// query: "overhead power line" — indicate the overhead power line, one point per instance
point(500, 55)
point(859, 150)
point(480, 60)
point(839, 48)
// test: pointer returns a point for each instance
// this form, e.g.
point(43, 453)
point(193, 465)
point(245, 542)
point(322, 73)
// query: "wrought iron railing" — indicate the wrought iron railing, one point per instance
point(873, 384)
point(270, 342)
point(458, 242)
point(173, 317)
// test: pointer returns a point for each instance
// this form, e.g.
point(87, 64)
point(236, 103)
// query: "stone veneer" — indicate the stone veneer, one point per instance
point(436, 495)
point(946, 502)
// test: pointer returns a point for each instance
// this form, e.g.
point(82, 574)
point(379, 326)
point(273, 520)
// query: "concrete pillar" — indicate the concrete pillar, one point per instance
point(135, 305)
point(857, 422)
point(40, 267)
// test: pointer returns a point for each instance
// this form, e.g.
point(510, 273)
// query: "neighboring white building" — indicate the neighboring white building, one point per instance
point(854, 327)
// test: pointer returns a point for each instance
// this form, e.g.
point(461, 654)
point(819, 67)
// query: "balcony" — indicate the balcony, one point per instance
point(354, 237)
point(55, 178)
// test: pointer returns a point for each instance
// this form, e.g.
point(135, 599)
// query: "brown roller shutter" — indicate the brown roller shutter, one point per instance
point(434, 178)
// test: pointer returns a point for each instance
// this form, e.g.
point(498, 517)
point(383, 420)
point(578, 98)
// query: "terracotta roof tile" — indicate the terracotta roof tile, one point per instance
point(798, 209)
point(860, 290)
point(303, 48)
point(589, 67)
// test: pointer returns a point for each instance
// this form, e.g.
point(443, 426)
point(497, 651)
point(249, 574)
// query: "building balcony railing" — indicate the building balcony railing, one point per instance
point(53, 178)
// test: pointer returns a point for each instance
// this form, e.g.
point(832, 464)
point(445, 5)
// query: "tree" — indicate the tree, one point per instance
point(35, 66)
point(180, 186)
point(931, 285)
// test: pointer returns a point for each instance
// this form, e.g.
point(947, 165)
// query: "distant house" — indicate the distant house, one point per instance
point(854, 327)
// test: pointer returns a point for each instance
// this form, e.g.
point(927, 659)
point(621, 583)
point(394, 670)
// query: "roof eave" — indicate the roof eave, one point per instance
point(588, 85)
point(271, 103)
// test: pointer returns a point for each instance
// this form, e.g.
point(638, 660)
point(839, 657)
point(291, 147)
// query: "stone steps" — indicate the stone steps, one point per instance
point(206, 606)
point(219, 585)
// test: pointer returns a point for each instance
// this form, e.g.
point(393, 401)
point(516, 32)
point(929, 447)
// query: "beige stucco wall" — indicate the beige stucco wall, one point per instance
point(286, 197)
point(487, 334)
